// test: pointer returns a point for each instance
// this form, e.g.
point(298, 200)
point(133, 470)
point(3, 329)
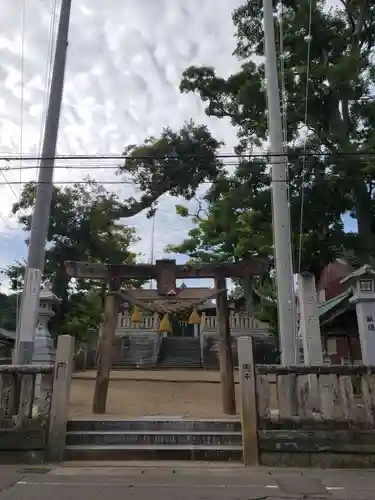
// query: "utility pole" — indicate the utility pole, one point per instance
point(280, 203)
point(40, 219)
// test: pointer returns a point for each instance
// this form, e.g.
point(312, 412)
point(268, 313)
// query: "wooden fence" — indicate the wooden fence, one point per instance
point(33, 407)
point(306, 415)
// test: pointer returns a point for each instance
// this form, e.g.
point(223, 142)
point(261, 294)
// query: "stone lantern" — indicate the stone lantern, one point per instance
point(362, 282)
point(44, 351)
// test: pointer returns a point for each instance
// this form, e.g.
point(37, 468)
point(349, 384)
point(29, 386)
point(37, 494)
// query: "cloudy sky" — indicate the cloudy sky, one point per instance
point(124, 64)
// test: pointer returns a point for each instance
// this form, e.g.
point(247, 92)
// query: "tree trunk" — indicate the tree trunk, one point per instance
point(60, 286)
point(365, 217)
point(226, 357)
point(248, 295)
point(106, 350)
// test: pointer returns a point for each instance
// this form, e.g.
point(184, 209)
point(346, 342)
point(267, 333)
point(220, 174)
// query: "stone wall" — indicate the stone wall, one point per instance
point(306, 415)
point(311, 444)
point(24, 417)
point(265, 347)
point(34, 408)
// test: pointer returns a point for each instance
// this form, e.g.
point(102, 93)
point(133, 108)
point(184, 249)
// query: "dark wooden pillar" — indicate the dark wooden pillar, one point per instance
point(228, 393)
point(111, 309)
point(165, 275)
point(247, 286)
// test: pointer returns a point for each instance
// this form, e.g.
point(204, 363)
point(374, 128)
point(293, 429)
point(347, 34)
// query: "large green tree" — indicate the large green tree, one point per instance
point(84, 313)
point(336, 175)
point(83, 227)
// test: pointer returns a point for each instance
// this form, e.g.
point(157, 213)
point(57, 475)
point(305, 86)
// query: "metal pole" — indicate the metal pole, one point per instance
point(40, 219)
point(280, 204)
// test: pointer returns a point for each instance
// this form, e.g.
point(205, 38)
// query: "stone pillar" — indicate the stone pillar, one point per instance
point(196, 331)
point(309, 320)
point(363, 285)
point(249, 410)
point(60, 398)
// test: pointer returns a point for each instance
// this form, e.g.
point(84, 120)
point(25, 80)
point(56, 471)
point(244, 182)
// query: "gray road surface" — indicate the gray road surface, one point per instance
point(158, 483)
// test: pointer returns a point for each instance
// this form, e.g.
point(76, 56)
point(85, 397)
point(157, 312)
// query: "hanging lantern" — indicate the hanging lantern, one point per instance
point(165, 326)
point(194, 318)
point(136, 315)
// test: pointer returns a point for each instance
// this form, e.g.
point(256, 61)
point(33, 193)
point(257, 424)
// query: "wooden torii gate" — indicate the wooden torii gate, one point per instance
point(165, 272)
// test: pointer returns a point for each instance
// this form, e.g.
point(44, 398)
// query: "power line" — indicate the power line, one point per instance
point(308, 57)
point(284, 108)
point(106, 166)
point(23, 29)
point(114, 182)
point(48, 75)
point(83, 167)
point(265, 154)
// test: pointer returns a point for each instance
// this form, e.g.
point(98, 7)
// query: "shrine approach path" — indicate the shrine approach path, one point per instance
point(132, 393)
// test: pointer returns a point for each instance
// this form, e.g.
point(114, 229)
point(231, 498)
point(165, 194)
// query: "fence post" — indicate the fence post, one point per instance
point(249, 407)
point(60, 397)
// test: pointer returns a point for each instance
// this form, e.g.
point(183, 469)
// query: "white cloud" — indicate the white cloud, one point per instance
point(124, 65)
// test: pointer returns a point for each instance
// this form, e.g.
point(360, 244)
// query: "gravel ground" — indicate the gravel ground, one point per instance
point(212, 376)
point(134, 398)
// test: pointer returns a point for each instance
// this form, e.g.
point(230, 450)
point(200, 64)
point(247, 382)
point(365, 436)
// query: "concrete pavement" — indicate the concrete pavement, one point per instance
point(180, 482)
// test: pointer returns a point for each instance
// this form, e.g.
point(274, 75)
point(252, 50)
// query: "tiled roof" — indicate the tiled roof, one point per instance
point(330, 304)
point(192, 293)
point(185, 299)
point(331, 276)
point(7, 335)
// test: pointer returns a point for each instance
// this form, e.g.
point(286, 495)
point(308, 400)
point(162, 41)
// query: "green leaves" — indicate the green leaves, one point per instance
point(84, 314)
point(182, 211)
point(83, 226)
point(177, 163)
point(241, 98)
point(8, 311)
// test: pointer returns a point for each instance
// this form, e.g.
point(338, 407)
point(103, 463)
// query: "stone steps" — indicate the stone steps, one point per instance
point(175, 362)
point(180, 352)
point(154, 452)
point(156, 424)
point(154, 439)
point(136, 350)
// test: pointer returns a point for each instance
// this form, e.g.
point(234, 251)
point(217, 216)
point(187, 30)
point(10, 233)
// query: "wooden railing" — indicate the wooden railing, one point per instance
point(306, 415)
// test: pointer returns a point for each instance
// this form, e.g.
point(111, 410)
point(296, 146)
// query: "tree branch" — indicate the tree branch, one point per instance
point(361, 19)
